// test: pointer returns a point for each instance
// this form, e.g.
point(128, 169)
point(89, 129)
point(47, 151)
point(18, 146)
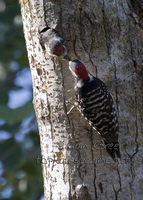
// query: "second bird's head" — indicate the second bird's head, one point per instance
point(78, 70)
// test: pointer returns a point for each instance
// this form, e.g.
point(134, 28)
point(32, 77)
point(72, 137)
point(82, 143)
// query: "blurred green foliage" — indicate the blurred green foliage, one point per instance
point(20, 175)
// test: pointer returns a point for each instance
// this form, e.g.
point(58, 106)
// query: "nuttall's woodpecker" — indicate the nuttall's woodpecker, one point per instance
point(51, 40)
point(97, 106)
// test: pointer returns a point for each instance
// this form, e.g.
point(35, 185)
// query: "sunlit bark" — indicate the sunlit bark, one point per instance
point(107, 37)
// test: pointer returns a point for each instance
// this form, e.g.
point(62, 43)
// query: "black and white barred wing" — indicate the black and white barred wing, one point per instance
point(97, 106)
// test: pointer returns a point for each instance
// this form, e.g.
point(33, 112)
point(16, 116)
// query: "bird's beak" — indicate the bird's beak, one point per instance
point(67, 57)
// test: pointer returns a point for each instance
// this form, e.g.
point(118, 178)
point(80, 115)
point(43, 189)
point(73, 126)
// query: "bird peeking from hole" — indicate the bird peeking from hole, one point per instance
point(53, 43)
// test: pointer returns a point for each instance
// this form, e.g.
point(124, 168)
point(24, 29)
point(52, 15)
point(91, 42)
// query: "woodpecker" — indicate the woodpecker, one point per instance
point(51, 40)
point(97, 106)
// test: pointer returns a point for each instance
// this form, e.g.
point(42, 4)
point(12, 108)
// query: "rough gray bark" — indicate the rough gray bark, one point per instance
point(107, 37)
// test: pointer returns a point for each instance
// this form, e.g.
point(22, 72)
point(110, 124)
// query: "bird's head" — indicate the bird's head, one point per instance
point(78, 69)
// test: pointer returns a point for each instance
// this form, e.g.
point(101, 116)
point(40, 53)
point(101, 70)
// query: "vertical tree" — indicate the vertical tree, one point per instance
point(107, 37)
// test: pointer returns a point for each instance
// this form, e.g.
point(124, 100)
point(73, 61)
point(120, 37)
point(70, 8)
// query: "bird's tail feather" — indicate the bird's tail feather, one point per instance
point(113, 149)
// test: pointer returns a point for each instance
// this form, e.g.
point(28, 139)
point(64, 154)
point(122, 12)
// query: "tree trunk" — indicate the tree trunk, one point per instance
point(107, 37)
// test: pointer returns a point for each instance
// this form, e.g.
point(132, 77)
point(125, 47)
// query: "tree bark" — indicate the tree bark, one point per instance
point(107, 37)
